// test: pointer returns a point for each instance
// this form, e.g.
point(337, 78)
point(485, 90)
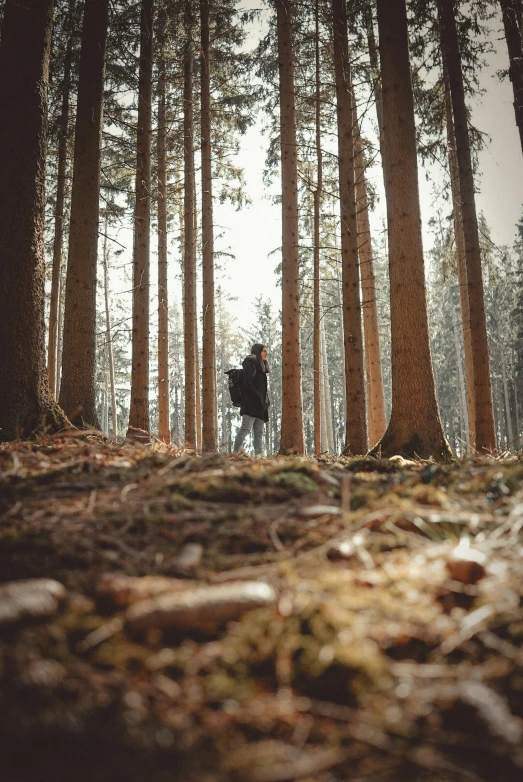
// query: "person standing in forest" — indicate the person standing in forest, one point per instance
point(255, 399)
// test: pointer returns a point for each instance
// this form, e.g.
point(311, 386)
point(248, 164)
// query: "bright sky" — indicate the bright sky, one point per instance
point(255, 232)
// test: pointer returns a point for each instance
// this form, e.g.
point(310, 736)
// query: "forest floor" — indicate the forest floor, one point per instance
point(219, 618)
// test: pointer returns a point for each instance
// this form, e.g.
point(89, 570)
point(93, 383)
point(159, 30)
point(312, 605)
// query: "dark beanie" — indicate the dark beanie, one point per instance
point(256, 350)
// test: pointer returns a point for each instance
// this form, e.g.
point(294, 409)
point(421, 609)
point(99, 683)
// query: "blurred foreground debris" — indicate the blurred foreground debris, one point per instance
point(215, 619)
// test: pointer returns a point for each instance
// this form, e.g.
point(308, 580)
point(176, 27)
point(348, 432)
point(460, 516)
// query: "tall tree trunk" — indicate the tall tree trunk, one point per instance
point(26, 405)
point(355, 414)
point(164, 432)
point(108, 335)
point(61, 296)
point(513, 35)
point(374, 66)
point(52, 344)
point(326, 394)
point(415, 428)
point(461, 261)
point(517, 444)
point(196, 334)
point(506, 398)
point(318, 446)
point(209, 415)
point(519, 14)
point(377, 422)
point(462, 384)
point(77, 390)
point(139, 409)
point(189, 268)
point(484, 420)
point(292, 437)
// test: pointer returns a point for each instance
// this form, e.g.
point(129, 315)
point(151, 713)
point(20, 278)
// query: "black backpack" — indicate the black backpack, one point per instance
point(235, 386)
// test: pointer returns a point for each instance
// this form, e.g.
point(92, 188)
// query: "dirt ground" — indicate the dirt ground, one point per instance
point(205, 619)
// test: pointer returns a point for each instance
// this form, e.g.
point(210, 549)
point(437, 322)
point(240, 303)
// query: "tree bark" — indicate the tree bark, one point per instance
point(414, 428)
point(513, 35)
point(483, 417)
point(506, 399)
point(209, 414)
point(197, 374)
point(77, 390)
point(462, 386)
point(316, 273)
point(355, 414)
point(164, 429)
point(329, 444)
point(26, 405)
point(54, 325)
point(292, 438)
point(376, 419)
point(461, 261)
point(374, 67)
point(139, 409)
point(108, 335)
point(189, 267)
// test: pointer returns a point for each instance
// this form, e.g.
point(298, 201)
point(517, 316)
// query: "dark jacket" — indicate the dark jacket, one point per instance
point(255, 400)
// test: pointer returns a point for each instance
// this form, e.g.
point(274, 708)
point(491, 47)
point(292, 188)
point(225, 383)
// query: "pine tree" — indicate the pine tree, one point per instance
point(356, 429)
point(292, 439)
point(77, 389)
point(209, 416)
point(189, 264)
point(163, 305)
point(483, 418)
point(415, 426)
point(61, 179)
point(461, 261)
point(513, 35)
point(318, 395)
point(26, 405)
point(139, 409)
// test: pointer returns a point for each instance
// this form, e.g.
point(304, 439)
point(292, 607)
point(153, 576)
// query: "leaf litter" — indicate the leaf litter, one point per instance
point(167, 616)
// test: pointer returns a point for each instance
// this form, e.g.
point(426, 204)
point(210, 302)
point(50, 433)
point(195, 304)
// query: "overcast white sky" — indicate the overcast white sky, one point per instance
point(252, 234)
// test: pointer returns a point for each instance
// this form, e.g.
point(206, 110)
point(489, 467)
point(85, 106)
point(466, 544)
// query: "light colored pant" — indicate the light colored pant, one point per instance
point(250, 423)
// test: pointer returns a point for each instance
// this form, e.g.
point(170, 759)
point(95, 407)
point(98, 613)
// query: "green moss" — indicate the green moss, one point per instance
point(294, 481)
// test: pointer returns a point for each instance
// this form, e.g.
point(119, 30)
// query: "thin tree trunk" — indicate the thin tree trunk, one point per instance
point(374, 67)
point(415, 428)
point(59, 330)
point(52, 345)
point(340, 332)
point(461, 261)
point(108, 335)
point(326, 395)
point(77, 390)
point(377, 422)
point(484, 420)
point(189, 268)
point(513, 34)
point(355, 414)
point(164, 432)
point(506, 397)
point(139, 409)
point(519, 14)
point(517, 444)
point(316, 274)
point(26, 405)
point(292, 437)
point(196, 330)
point(209, 416)
point(461, 382)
